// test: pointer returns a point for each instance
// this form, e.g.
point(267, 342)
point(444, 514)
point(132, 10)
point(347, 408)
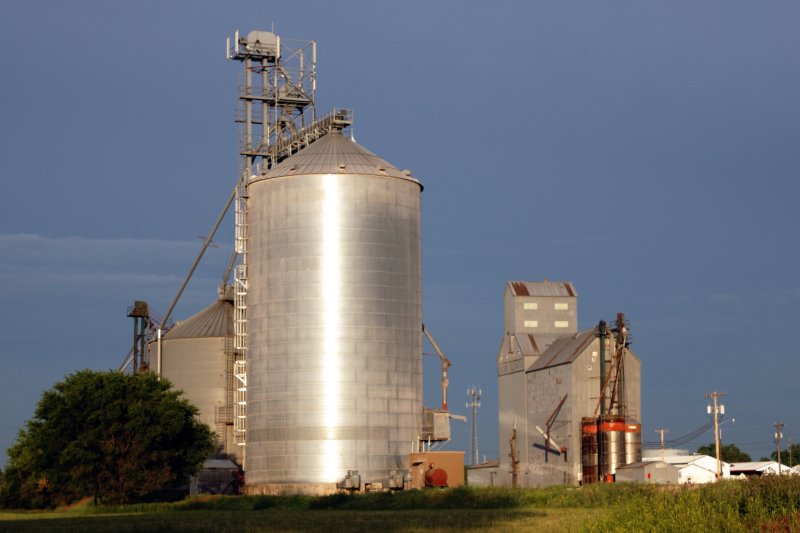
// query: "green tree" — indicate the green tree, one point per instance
point(111, 436)
point(730, 453)
point(790, 456)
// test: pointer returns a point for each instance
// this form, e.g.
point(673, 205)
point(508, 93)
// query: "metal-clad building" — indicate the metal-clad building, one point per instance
point(693, 468)
point(652, 472)
point(334, 319)
point(197, 357)
point(536, 314)
point(548, 371)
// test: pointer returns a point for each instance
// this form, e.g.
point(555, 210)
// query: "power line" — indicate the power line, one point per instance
point(679, 441)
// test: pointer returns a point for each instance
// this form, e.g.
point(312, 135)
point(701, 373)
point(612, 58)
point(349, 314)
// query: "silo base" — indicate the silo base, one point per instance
point(279, 489)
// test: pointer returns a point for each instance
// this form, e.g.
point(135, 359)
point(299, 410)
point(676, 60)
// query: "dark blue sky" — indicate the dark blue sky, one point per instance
point(645, 151)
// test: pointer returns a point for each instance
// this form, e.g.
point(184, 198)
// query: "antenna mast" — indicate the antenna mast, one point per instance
point(475, 396)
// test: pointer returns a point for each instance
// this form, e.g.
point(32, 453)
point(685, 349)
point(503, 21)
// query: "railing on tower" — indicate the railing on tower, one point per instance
point(240, 318)
point(240, 403)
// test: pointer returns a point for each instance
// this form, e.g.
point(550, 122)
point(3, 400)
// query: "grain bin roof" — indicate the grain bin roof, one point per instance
point(213, 321)
point(542, 288)
point(334, 154)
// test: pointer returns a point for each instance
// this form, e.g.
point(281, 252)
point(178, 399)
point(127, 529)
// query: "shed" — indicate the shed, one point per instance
point(655, 472)
point(758, 468)
point(696, 468)
point(487, 474)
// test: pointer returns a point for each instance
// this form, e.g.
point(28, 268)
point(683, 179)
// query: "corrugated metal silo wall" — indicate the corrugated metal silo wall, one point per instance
point(334, 320)
point(197, 367)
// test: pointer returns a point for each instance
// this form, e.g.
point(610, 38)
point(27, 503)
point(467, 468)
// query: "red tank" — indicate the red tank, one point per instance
point(435, 477)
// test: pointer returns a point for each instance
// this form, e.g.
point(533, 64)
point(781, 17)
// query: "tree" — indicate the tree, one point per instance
point(730, 453)
point(790, 456)
point(108, 435)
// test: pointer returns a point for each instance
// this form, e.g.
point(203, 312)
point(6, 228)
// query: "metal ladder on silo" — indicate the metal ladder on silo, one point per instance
point(240, 319)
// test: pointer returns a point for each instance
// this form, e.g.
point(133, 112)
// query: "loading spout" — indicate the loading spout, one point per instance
point(445, 365)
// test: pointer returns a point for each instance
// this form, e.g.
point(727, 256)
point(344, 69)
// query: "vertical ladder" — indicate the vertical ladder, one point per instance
point(240, 318)
point(240, 403)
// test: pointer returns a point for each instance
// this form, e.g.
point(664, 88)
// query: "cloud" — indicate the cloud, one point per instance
point(96, 279)
point(27, 259)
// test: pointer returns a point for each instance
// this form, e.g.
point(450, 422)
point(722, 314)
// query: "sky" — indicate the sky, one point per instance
point(646, 151)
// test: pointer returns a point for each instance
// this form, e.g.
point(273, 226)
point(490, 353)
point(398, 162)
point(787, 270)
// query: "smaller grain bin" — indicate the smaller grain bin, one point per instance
point(633, 442)
point(589, 455)
point(611, 436)
point(197, 357)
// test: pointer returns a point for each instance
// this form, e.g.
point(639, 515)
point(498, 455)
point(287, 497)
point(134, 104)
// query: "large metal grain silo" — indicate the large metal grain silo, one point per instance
point(334, 319)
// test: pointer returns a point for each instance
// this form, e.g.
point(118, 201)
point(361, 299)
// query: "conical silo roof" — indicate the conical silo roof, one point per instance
point(213, 321)
point(334, 154)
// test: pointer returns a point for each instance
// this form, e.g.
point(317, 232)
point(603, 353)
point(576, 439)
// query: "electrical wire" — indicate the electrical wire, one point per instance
point(679, 441)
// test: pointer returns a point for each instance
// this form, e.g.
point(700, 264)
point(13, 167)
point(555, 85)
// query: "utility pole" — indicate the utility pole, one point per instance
point(475, 396)
point(778, 435)
point(662, 431)
point(718, 409)
point(790, 452)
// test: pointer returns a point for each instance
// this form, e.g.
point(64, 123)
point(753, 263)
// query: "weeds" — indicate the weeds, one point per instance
point(766, 504)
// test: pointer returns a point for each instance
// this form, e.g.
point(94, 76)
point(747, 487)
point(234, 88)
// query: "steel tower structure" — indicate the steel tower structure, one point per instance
point(276, 90)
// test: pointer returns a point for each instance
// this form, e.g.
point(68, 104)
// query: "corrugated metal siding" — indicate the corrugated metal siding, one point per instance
point(334, 154)
point(519, 288)
point(213, 321)
point(534, 344)
point(542, 288)
point(565, 350)
point(197, 367)
point(334, 377)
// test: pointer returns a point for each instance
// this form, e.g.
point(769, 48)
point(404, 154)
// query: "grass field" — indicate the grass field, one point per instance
point(310, 520)
point(766, 504)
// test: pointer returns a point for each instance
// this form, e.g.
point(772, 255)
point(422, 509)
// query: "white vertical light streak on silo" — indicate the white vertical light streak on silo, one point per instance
point(331, 280)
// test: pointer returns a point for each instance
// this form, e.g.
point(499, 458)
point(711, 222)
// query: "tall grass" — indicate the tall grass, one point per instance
point(766, 504)
point(731, 505)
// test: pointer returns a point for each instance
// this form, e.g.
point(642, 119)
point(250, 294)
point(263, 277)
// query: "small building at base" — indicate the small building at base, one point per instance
point(694, 469)
point(654, 472)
